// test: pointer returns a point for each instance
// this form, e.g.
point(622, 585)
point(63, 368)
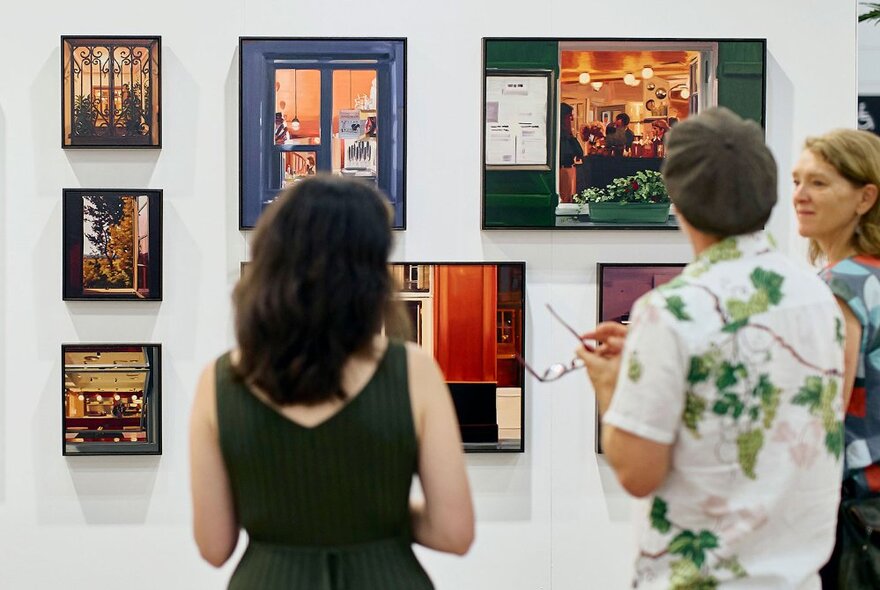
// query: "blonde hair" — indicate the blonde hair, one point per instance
point(856, 156)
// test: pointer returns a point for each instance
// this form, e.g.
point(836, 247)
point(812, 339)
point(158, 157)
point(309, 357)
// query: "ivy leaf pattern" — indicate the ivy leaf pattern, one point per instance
point(726, 249)
point(768, 282)
point(687, 576)
point(676, 307)
point(819, 398)
point(769, 396)
point(694, 407)
point(658, 515)
point(634, 368)
point(701, 368)
point(693, 546)
point(839, 336)
point(810, 394)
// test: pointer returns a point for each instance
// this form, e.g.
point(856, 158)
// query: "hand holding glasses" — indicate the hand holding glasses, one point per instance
point(557, 370)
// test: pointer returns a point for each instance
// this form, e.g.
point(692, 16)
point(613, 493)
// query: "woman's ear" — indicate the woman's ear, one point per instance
point(868, 198)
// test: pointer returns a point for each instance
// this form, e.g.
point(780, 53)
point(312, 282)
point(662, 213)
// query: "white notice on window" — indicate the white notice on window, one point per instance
point(516, 120)
point(500, 145)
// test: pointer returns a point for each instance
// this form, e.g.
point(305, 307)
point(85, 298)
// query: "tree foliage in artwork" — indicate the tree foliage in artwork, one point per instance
point(109, 229)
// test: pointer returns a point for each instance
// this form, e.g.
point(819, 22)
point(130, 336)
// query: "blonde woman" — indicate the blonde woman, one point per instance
point(836, 183)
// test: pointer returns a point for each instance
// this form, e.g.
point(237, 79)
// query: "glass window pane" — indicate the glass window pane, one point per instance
point(297, 107)
point(355, 123)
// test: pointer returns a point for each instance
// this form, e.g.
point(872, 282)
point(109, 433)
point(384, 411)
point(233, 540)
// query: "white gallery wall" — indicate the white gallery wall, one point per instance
point(553, 517)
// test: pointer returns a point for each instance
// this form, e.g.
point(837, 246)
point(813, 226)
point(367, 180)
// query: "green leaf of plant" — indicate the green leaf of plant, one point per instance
point(683, 543)
point(720, 407)
point(839, 336)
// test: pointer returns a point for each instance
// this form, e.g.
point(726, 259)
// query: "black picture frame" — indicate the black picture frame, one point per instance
point(259, 59)
point(121, 119)
point(629, 298)
point(133, 425)
point(475, 399)
point(109, 279)
point(528, 200)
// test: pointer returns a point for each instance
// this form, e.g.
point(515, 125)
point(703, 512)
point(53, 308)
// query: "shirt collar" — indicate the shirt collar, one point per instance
point(734, 248)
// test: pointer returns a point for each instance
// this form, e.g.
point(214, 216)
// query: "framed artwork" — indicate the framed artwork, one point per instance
point(111, 399)
point(517, 119)
point(620, 285)
point(636, 89)
point(869, 113)
point(470, 317)
point(111, 92)
point(309, 105)
point(112, 244)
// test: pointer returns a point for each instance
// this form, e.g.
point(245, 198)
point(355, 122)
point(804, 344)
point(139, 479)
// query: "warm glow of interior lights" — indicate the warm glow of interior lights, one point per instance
point(81, 397)
point(116, 397)
point(685, 93)
point(99, 398)
point(597, 86)
point(647, 72)
point(134, 398)
point(295, 123)
point(629, 79)
point(584, 78)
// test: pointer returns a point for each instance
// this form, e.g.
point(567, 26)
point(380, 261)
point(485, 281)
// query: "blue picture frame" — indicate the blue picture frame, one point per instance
point(260, 175)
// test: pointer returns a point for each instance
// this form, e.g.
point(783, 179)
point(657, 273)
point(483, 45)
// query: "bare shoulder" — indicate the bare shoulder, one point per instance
point(205, 400)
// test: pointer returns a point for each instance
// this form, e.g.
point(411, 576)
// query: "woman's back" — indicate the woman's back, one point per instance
point(324, 504)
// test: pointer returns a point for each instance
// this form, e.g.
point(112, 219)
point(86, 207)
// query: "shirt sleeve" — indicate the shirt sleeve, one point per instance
point(650, 395)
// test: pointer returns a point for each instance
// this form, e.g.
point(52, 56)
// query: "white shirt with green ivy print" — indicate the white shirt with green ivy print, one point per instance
point(737, 364)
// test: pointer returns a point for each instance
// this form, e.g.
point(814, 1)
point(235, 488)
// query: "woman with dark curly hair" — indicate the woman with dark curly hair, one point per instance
point(308, 434)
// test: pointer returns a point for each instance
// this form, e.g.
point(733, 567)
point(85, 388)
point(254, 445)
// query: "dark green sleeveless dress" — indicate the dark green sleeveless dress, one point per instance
point(326, 508)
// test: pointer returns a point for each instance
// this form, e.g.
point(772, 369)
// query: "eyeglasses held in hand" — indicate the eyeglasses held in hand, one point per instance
point(557, 370)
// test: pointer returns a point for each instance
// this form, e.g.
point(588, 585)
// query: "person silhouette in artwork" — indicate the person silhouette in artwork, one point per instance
point(281, 134)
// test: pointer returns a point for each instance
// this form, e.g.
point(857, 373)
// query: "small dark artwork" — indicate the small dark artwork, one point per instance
point(620, 285)
point(110, 89)
point(112, 245)
point(869, 113)
point(110, 399)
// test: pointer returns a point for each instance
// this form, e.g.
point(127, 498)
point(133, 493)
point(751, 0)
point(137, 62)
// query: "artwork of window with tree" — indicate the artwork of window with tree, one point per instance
point(110, 399)
point(112, 245)
point(110, 92)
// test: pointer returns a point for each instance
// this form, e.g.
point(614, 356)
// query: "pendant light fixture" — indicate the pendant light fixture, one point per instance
point(647, 72)
point(584, 78)
point(295, 123)
point(629, 79)
point(597, 86)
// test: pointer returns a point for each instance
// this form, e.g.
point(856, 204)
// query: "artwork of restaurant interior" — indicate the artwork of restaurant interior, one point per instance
point(112, 245)
point(470, 317)
point(110, 399)
point(613, 102)
point(335, 107)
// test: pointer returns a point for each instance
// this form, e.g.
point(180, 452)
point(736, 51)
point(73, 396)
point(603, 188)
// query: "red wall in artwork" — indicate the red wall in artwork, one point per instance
point(464, 321)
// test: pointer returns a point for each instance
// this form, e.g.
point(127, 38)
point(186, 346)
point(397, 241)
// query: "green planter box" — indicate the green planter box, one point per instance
point(613, 212)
